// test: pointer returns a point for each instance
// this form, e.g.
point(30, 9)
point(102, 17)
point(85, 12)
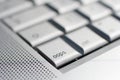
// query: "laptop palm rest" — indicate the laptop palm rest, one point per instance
point(103, 67)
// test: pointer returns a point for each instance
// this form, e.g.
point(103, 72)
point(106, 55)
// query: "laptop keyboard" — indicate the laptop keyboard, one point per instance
point(63, 31)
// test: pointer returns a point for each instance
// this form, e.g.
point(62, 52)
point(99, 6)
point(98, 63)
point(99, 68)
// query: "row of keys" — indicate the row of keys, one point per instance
point(25, 19)
point(61, 6)
point(60, 52)
point(69, 22)
point(40, 2)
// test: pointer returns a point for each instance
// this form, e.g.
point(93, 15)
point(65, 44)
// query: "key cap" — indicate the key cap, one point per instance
point(70, 21)
point(12, 6)
point(40, 2)
point(30, 17)
point(59, 52)
point(86, 39)
point(63, 6)
point(108, 27)
point(40, 33)
point(113, 4)
point(94, 11)
point(86, 2)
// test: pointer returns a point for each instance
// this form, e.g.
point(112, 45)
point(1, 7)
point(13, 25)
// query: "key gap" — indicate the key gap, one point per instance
point(7, 25)
point(72, 44)
point(52, 8)
point(82, 14)
point(100, 33)
point(115, 15)
point(57, 26)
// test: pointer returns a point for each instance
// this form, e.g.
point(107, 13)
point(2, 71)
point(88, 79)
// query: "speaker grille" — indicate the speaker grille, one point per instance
point(16, 63)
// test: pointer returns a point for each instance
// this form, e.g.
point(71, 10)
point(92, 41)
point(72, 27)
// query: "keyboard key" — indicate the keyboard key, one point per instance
point(59, 52)
point(94, 11)
point(113, 4)
point(12, 6)
point(40, 33)
point(63, 6)
point(32, 16)
point(86, 39)
point(70, 21)
point(87, 1)
point(108, 27)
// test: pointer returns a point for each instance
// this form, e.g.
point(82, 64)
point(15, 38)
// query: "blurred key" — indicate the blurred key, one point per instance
point(59, 52)
point(85, 2)
point(108, 27)
point(40, 33)
point(113, 4)
point(63, 6)
point(40, 2)
point(94, 11)
point(70, 21)
point(9, 7)
point(86, 39)
point(27, 18)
